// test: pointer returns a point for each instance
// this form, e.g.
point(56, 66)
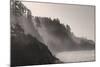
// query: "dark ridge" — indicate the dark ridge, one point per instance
point(27, 50)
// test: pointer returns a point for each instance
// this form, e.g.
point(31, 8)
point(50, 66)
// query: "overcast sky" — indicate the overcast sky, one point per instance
point(80, 18)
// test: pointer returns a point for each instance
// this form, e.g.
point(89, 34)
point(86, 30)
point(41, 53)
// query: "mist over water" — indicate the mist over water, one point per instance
point(76, 56)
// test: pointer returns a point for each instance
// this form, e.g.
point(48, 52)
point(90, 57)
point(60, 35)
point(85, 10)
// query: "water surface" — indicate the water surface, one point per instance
point(76, 56)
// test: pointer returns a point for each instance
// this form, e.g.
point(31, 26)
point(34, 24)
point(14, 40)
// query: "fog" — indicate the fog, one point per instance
point(79, 17)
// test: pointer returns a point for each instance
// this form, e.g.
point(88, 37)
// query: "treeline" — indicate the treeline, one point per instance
point(17, 8)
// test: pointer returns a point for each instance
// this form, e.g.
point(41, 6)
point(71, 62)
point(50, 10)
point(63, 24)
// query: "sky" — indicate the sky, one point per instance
point(81, 18)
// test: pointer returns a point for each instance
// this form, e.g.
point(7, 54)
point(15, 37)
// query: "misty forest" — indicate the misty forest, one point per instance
point(39, 40)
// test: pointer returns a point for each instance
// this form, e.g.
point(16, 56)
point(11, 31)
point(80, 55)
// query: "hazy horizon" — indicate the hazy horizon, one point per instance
point(80, 18)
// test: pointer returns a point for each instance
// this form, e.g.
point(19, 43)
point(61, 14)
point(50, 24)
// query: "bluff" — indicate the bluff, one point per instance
point(26, 44)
